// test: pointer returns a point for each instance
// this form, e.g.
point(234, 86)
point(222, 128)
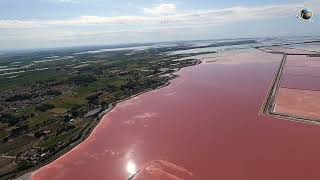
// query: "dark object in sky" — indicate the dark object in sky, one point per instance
point(306, 13)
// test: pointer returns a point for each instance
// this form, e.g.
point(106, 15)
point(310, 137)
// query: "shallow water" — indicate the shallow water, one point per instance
point(206, 122)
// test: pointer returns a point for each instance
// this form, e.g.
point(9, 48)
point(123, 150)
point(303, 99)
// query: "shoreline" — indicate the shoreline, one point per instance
point(27, 174)
point(110, 108)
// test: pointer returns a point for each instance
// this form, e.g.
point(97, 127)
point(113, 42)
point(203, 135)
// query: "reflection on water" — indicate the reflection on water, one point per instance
point(209, 128)
point(131, 168)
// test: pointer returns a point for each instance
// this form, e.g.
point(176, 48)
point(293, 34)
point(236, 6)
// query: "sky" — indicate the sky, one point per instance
point(28, 24)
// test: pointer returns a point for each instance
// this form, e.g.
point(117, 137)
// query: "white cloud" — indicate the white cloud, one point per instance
point(163, 25)
point(161, 9)
point(67, 1)
point(161, 17)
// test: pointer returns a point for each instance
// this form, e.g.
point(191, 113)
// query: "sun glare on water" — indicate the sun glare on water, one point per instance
point(131, 168)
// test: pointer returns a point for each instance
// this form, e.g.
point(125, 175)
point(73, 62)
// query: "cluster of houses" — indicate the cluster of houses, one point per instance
point(15, 99)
